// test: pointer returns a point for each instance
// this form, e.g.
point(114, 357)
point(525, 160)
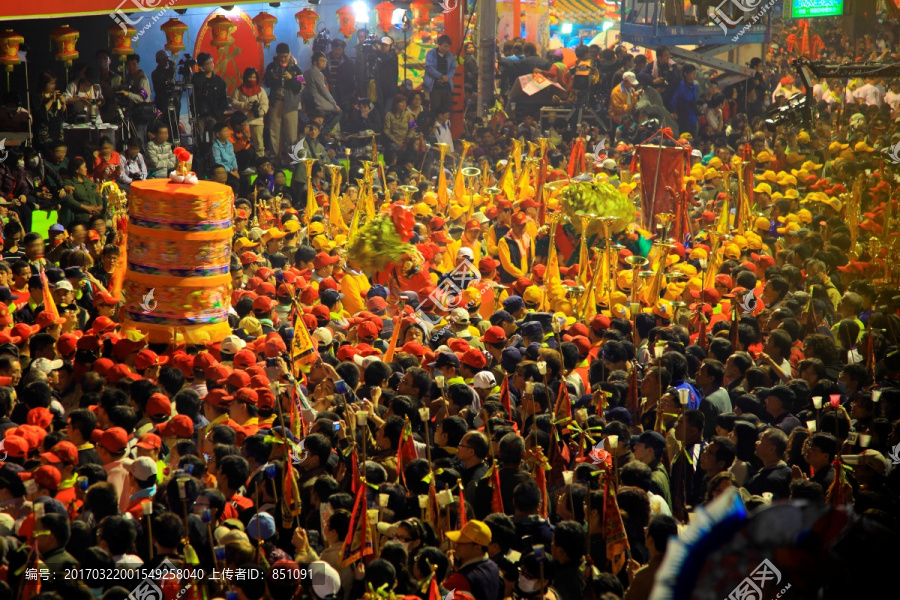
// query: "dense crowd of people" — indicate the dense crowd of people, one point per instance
point(517, 442)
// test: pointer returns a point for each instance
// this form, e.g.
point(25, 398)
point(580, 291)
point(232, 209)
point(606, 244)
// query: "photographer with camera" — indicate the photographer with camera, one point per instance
point(109, 82)
point(49, 112)
point(134, 96)
point(251, 99)
point(82, 94)
point(340, 74)
point(210, 97)
point(163, 77)
point(285, 82)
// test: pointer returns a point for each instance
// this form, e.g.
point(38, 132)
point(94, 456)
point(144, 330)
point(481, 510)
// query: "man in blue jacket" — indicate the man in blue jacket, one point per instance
point(440, 65)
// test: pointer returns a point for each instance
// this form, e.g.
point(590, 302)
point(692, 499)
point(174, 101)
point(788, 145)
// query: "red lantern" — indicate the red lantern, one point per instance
point(385, 11)
point(222, 29)
point(174, 31)
point(421, 10)
point(121, 39)
point(9, 49)
point(306, 21)
point(347, 19)
point(265, 25)
point(65, 37)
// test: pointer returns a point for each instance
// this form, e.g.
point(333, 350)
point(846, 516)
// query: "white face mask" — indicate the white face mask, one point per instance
point(527, 585)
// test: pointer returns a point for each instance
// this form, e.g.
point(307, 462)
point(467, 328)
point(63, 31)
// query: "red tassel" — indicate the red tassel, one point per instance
point(497, 496)
point(354, 466)
point(541, 479)
point(563, 408)
point(462, 506)
point(504, 396)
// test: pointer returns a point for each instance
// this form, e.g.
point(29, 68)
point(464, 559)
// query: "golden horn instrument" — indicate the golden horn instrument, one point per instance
point(408, 191)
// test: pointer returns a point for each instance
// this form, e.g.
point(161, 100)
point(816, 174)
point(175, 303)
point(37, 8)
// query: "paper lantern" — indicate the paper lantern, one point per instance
point(9, 49)
point(347, 19)
point(174, 31)
point(265, 26)
point(421, 10)
point(65, 37)
point(306, 21)
point(221, 29)
point(121, 39)
point(385, 11)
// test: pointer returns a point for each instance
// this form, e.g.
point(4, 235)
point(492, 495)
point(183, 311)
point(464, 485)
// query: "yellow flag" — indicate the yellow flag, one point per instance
point(507, 183)
point(722, 224)
point(552, 276)
point(335, 217)
point(311, 206)
point(459, 183)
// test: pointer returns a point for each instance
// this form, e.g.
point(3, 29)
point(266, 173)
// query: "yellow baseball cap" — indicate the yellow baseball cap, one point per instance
point(456, 211)
point(803, 137)
point(421, 209)
point(244, 242)
point(804, 216)
point(474, 532)
point(625, 279)
point(731, 251)
point(768, 175)
point(762, 223)
point(763, 188)
point(764, 157)
point(788, 228)
point(794, 158)
point(430, 198)
point(835, 147)
point(863, 147)
point(791, 193)
point(715, 162)
point(533, 295)
point(695, 284)
point(810, 166)
point(316, 228)
point(698, 254)
point(292, 226)
point(754, 242)
point(688, 269)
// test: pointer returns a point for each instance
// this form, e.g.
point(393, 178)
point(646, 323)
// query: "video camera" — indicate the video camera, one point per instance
point(186, 67)
point(322, 42)
point(795, 112)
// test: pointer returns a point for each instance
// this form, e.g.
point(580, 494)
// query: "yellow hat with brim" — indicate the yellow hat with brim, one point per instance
point(762, 223)
point(474, 532)
point(731, 251)
point(763, 188)
point(456, 211)
point(791, 193)
point(421, 209)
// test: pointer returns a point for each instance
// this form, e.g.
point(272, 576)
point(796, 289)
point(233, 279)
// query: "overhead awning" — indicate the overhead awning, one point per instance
point(582, 12)
point(53, 9)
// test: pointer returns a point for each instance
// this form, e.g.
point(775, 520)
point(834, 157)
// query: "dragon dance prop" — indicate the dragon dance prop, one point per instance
point(382, 246)
point(596, 198)
point(179, 252)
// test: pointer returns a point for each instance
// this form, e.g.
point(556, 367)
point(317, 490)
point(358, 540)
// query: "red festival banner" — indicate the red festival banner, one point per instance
point(660, 168)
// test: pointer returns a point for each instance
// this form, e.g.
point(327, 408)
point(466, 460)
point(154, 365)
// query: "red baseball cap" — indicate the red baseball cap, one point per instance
point(119, 372)
point(179, 426)
point(217, 373)
point(45, 320)
point(366, 330)
point(376, 303)
point(583, 344)
point(41, 417)
point(724, 280)
point(62, 452)
point(24, 330)
point(47, 476)
point(346, 353)
point(472, 224)
point(237, 379)
point(488, 264)
point(243, 359)
point(600, 323)
point(494, 335)
point(149, 441)
point(274, 346)
point(709, 295)
point(159, 407)
point(114, 439)
point(323, 259)
point(474, 358)
point(102, 298)
point(218, 398)
point(247, 395)
point(519, 218)
point(266, 399)
point(15, 446)
point(414, 348)
point(148, 358)
point(67, 344)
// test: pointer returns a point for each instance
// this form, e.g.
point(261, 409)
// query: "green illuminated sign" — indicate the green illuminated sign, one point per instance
point(802, 9)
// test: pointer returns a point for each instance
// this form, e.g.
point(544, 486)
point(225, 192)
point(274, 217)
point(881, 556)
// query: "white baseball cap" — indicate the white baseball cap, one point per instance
point(46, 366)
point(467, 252)
point(609, 164)
point(629, 77)
point(323, 335)
point(484, 380)
point(232, 344)
point(387, 40)
point(142, 468)
point(459, 315)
